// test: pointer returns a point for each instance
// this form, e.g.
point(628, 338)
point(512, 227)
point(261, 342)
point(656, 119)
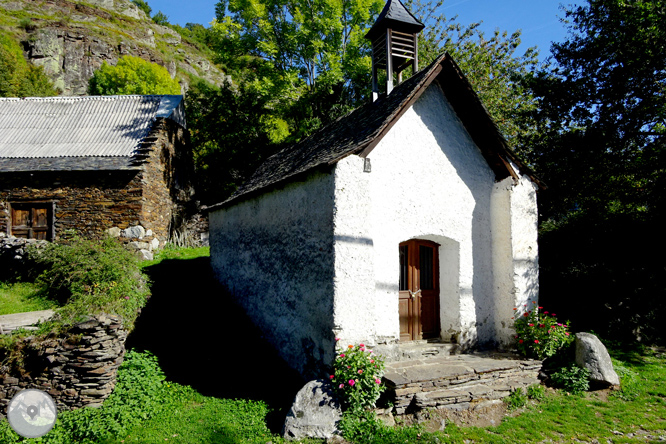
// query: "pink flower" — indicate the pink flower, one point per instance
point(566, 333)
point(352, 382)
point(553, 314)
point(349, 366)
point(342, 355)
point(332, 376)
point(536, 341)
point(337, 339)
point(360, 372)
point(372, 361)
point(545, 312)
point(340, 386)
point(361, 345)
point(378, 381)
point(516, 336)
point(531, 325)
point(127, 297)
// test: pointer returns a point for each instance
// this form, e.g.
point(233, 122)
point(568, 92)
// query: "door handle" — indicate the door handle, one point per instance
point(414, 294)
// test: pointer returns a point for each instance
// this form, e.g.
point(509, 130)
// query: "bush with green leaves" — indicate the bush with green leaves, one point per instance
point(356, 378)
point(517, 399)
point(539, 334)
point(132, 75)
point(537, 392)
point(88, 277)
point(571, 378)
point(161, 18)
point(18, 78)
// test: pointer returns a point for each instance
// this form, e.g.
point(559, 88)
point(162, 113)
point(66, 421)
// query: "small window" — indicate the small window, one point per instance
point(32, 220)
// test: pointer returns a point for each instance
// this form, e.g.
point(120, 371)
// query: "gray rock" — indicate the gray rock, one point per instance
point(113, 232)
point(140, 245)
point(314, 414)
point(134, 232)
point(145, 255)
point(154, 244)
point(592, 355)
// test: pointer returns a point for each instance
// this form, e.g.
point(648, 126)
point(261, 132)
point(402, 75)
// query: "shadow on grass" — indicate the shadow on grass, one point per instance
point(204, 340)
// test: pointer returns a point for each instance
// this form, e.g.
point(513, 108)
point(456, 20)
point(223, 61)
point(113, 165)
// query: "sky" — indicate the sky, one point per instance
point(539, 20)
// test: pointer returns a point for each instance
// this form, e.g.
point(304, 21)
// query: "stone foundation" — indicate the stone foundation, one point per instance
point(457, 382)
point(78, 368)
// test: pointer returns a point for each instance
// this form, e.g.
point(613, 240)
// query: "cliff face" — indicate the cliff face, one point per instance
point(71, 39)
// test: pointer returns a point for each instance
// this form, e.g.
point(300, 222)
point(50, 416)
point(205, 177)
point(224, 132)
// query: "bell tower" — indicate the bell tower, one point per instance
point(394, 44)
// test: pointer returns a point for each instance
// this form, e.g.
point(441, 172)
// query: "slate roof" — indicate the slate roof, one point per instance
point(79, 133)
point(395, 16)
point(361, 130)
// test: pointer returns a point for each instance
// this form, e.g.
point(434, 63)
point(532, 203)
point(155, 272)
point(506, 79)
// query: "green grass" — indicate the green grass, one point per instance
point(21, 297)
point(170, 252)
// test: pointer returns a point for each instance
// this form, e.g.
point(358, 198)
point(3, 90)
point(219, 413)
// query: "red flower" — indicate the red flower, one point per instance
point(540, 308)
point(515, 308)
point(520, 342)
point(351, 346)
point(531, 325)
point(536, 341)
point(545, 312)
point(361, 345)
point(553, 315)
point(526, 314)
point(332, 376)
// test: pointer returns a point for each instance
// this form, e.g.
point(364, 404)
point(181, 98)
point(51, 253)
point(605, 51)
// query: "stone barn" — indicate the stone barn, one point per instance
point(93, 163)
point(410, 219)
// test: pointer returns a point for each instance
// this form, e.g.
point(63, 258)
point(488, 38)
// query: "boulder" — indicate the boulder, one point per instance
point(592, 355)
point(136, 232)
point(314, 414)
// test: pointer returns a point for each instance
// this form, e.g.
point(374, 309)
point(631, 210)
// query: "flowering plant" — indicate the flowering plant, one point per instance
point(539, 335)
point(357, 377)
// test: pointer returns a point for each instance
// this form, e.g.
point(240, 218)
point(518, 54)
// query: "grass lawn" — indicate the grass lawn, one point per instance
point(21, 297)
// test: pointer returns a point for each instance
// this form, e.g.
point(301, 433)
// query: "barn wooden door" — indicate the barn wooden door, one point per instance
point(31, 221)
point(419, 290)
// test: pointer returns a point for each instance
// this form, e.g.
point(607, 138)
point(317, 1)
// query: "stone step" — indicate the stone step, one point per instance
point(455, 381)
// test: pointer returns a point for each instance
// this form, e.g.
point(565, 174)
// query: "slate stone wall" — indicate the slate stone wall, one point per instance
point(78, 368)
point(87, 201)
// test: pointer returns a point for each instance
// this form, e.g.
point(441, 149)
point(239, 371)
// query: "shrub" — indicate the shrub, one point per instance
point(572, 378)
point(536, 392)
point(161, 18)
point(539, 335)
point(516, 399)
point(90, 277)
point(132, 75)
point(357, 378)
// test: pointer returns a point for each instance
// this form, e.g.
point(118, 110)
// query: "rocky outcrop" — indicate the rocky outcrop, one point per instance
point(77, 38)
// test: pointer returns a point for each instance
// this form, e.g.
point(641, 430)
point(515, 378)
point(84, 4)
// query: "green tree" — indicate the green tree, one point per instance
point(18, 78)
point(600, 146)
point(490, 63)
point(161, 18)
point(310, 57)
point(232, 131)
point(132, 75)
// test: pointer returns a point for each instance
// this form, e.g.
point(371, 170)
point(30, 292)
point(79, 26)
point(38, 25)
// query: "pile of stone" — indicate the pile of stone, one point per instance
point(78, 368)
point(142, 241)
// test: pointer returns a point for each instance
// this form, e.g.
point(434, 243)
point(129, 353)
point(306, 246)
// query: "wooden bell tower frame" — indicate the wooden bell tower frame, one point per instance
point(394, 44)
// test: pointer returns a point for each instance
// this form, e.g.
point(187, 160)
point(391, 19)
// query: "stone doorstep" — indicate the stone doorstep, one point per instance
point(454, 382)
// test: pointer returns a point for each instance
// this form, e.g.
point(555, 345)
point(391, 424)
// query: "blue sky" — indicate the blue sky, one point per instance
point(539, 20)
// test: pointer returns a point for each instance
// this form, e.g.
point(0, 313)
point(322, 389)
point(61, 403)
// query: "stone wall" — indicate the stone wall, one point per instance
point(87, 201)
point(166, 180)
point(78, 368)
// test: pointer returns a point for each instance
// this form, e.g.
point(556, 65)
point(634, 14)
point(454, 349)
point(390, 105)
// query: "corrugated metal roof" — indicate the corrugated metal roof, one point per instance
point(94, 126)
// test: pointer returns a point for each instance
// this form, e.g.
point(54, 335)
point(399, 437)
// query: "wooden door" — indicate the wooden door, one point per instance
point(31, 221)
point(419, 290)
